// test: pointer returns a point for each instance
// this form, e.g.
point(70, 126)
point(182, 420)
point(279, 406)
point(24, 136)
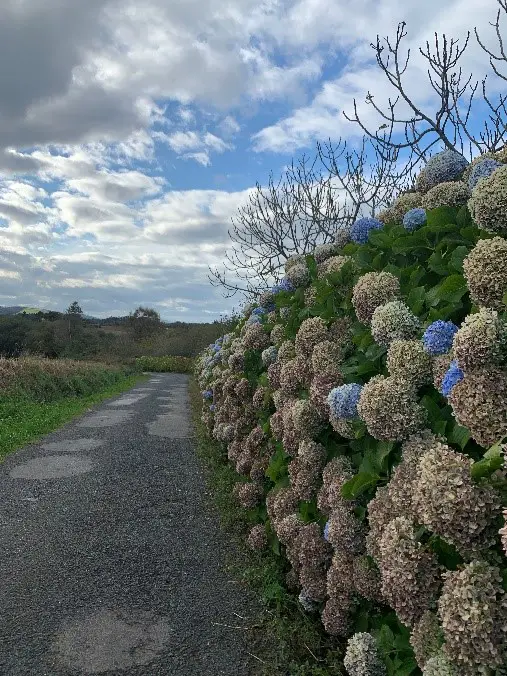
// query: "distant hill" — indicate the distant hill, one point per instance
point(10, 310)
point(20, 310)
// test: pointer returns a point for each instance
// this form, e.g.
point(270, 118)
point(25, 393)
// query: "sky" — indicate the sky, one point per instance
point(131, 131)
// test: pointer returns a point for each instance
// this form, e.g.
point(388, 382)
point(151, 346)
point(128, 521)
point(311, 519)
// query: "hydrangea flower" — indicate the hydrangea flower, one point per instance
point(343, 400)
point(283, 285)
point(259, 311)
point(482, 169)
point(447, 165)
point(253, 319)
point(413, 219)
point(362, 657)
point(326, 531)
point(207, 394)
point(360, 229)
point(342, 235)
point(212, 408)
point(269, 355)
point(453, 376)
point(447, 194)
point(486, 273)
point(438, 337)
point(487, 204)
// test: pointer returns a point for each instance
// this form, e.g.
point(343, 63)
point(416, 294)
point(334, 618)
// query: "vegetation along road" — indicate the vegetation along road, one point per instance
point(111, 561)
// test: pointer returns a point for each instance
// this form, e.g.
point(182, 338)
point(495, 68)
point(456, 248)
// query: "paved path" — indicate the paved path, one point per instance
point(111, 560)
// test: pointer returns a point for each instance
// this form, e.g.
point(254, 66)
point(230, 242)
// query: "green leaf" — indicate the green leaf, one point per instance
point(459, 435)
point(434, 412)
point(463, 217)
point(359, 484)
point(453, 288)
point(385, 639)
point(441, 216)
point(458, 256)
point(416, 298)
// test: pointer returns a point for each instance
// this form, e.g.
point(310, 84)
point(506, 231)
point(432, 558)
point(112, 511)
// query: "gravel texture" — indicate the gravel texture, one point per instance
point(118, 569)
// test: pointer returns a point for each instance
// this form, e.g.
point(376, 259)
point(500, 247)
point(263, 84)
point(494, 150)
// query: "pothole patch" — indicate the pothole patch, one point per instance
point(52, 467)
point(112, 640)
point(72, 445)
point(128, 400)
point(105, 418)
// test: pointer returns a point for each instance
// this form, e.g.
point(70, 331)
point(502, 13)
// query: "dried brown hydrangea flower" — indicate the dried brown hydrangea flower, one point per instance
point(479, 402)
point(486, 272)
point(408, 361)
point(390, 409)
point(426, 638)
point(372, 290)
point(312, 331)
point(257, 538)
point(473, 612)
point(446, 500)
point(409, 571)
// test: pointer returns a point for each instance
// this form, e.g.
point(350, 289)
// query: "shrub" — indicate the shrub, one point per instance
point(376, 421)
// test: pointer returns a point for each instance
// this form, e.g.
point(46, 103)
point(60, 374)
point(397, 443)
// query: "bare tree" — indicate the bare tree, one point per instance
point(281, 219)
point(304, 208)
point(449, 124)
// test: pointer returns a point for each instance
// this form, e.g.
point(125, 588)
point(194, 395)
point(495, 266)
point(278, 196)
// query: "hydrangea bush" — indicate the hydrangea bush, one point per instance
point(366, 417)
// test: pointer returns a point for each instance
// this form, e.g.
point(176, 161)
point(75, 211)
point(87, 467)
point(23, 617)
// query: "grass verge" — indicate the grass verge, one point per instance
point(285, 640)
point(24, 420)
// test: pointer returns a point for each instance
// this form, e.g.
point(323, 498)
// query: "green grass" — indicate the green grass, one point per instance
point(24, 420)
point(285, 640)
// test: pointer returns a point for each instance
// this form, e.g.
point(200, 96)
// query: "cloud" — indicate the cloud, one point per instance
point(323, 118)
point(194, 145)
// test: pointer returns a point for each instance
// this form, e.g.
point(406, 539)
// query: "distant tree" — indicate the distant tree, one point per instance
point(144, 322)
point(74, 309)
point(74, 315)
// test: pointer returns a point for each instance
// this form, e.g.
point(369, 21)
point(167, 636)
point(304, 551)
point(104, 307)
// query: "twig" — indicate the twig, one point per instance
point(257, 658)
point(314, 656)
point(230, 626)
point(240, 616)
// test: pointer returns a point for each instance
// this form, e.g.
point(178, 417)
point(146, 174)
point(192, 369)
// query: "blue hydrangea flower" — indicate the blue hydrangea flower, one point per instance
point(283, 285)
point(343, 400)
point(212, 408)
point(414, 219)
point(207, 394)
point(259, 311)
point(438, 337)
point(482, 169)
point(270, 307)
point(253, 319)
point(360, 229)
point(447, 165)
point(326, 531)
point(453, 376)
point(217, 348)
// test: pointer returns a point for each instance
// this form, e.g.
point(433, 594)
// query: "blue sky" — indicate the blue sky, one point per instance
point(132, 130)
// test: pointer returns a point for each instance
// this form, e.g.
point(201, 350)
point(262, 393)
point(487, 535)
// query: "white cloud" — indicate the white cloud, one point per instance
point(194, 145)
point(323, 117)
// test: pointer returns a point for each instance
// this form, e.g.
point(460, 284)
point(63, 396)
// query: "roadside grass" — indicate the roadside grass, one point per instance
point(167, 364)
point(24, 419)
point(285, 640)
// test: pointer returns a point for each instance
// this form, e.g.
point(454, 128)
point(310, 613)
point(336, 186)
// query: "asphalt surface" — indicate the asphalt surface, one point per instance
point(111, 556)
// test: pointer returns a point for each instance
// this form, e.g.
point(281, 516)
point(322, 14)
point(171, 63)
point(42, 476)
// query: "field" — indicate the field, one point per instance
point(39, 395)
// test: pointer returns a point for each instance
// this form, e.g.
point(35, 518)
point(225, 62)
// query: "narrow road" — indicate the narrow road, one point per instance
point(111, 558)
